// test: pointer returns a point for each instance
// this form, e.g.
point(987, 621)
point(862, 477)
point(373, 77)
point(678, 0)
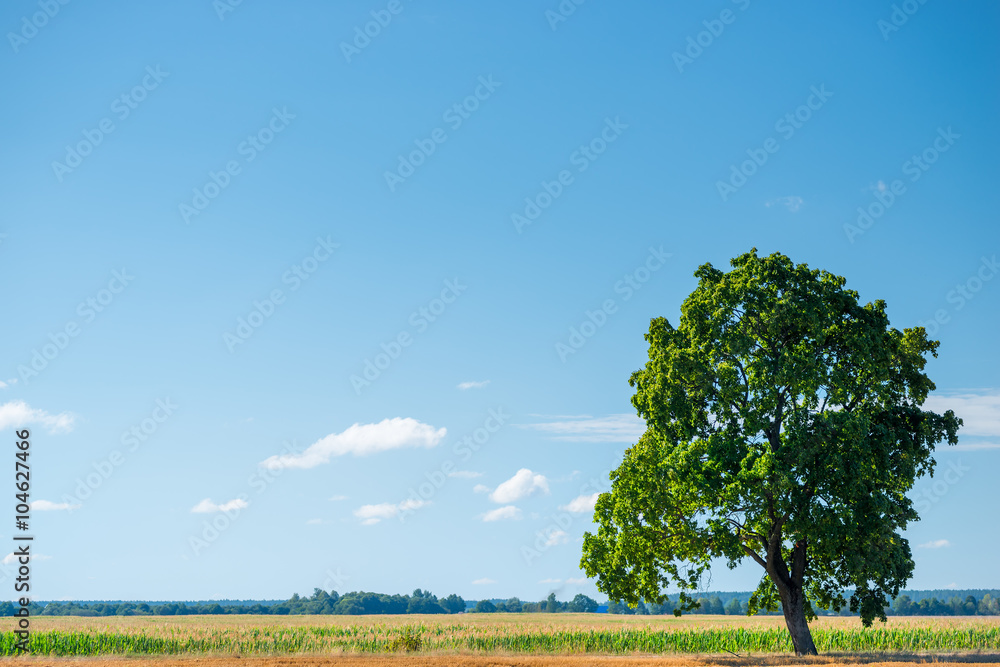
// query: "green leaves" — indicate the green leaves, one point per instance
point(779, 410)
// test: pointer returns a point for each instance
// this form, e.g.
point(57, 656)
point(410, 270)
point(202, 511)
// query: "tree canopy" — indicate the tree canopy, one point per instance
point(784, 426)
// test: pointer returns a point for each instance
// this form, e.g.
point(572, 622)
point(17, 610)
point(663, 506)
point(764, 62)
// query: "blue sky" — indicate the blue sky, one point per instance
point(238, 211)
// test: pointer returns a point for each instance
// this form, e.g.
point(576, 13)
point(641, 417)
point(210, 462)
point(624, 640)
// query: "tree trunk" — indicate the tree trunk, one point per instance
point(790, 590)
point(793, 606)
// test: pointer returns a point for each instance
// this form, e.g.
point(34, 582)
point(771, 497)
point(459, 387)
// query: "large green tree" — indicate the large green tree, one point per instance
point(784, 426)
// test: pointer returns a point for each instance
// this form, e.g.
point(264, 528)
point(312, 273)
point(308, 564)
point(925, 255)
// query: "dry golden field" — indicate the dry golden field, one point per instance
point(533, 622)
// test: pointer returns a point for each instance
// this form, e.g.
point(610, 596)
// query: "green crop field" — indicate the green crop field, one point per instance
point(491, 634)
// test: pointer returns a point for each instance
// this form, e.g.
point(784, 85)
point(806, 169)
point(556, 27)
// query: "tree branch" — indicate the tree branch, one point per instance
point(753, 554)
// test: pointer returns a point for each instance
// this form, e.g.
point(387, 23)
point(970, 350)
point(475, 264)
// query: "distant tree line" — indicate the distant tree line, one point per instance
point(580, 603)
point(953, 606)
point(424, 602)
point(321, 602)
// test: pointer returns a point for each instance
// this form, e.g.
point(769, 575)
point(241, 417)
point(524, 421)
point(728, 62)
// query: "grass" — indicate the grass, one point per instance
point(490, 634)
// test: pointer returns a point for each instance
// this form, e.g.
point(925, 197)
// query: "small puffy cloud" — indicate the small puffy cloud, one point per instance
point(484, 582)
point(12, 558)
point(581, 504)
point(372, 514)
point(465, 386)
point(502, 514)
point(206, 506)
point(361, 440)
point(584, 428)
point(49, 506)
point(465, 474)
point(577, 582)
point(314, 522)
point(15, 414)
point(480, 488)
point(550, 581)
point(523, 484)
point(935, 544)
point(556, 537)
point(3, 385)
point(338, 498)
point(792, 203)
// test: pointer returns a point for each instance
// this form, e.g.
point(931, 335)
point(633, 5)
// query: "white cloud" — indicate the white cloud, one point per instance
point(206, 506)
point(3, 385)
point(951, 587)
point(584, 428)
point(465, 386)
point(338, 498)
point(14, 414)
point(581, 504)
point(556, 537)
point(12, 558)
point(979, 410)
point(49, 506)
point(372, 514)
point(361, 440)
point(935, 544)
point(314, 522)
point(465, 474)
point(577, 582)
point(480, 488)
point(523, 484)
point(550, 581)
point(792, 202)
point(484, 581)
point(973, 446)
point(502, 513)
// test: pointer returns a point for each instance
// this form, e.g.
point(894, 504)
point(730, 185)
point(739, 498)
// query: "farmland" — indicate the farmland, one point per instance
point(471, 635)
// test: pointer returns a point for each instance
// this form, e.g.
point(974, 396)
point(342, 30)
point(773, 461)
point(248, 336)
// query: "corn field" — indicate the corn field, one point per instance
point(366, 636)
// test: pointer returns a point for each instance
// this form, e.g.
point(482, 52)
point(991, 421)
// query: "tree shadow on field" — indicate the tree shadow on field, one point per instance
point(843, 658)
